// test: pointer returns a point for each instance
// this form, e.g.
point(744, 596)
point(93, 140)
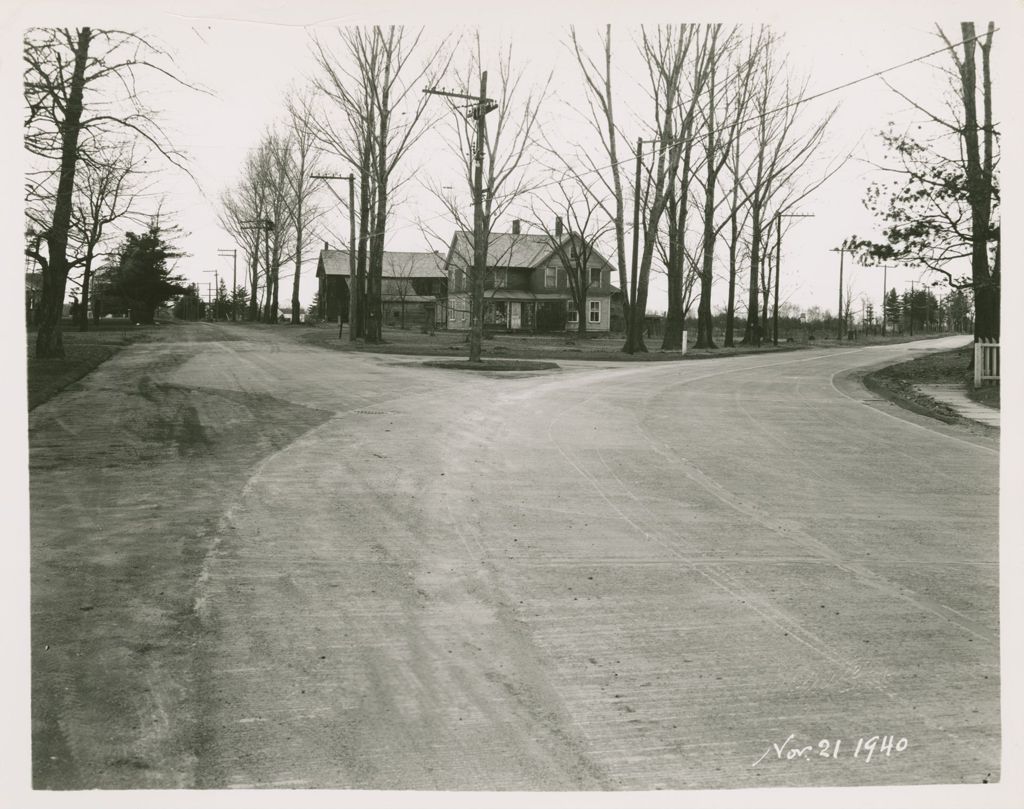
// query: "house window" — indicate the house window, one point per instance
point(574, 315)
point(595, 276)
point(550, 277)
point(595, 311)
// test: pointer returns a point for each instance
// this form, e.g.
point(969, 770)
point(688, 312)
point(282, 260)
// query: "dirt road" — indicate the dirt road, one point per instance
point(261, 564)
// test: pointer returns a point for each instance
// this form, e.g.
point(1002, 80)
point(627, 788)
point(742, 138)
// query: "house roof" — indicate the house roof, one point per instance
point(504, 249)
point(395, 264)
point(528, 250)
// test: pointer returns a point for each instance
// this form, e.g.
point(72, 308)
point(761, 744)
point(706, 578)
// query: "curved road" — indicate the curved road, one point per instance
point(615, 576)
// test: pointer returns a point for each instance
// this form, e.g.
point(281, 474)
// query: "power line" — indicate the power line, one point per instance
point(782, 108)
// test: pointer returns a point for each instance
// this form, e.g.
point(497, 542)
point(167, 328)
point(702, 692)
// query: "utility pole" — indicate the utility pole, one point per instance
point(355, 287)
point(216, 287)
point(885, 284)
point(841, 250)
point(778, 266)
point(234, 278)
point(480, 109)
point(353, 301)
point(912, 308)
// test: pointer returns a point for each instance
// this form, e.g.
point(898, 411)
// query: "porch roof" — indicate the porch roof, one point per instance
point(523, 295)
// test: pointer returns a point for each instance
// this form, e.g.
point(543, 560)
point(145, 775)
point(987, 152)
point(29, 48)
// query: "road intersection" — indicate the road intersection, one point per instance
point(353, 571)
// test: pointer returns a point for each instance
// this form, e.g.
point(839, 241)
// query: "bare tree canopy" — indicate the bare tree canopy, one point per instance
point(374, 81)
point(82, 95)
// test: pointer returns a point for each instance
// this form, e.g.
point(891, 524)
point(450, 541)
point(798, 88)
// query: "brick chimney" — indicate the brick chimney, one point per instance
point(558, 226)
point(516, 227)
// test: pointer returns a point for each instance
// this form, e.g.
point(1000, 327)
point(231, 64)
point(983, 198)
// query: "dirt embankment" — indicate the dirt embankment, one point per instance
point(129, 477)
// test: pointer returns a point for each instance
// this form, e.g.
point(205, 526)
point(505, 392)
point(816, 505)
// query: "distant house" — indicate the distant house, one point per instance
point(526, 288)
point(413, 287)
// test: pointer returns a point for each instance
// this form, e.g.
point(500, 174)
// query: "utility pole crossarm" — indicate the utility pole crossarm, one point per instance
point(486, 104)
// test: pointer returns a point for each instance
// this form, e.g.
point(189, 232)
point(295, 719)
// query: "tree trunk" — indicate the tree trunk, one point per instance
point(358, 328)
point(298, 266)
point(254, 269)
point(730, 310)
point(705, 336)
point(274, 306)
point(675, 320)
point(674, 276)
point(734, 236)
point(979, 188)
point(752, 331)
point(49, 340)
point(766, 285)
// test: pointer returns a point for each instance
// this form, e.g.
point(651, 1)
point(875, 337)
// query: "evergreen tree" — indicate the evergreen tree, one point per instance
point(190, 306)
point(140, 278)
point(893, 309)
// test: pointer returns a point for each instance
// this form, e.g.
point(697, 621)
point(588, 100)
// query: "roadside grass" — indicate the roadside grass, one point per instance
point(607, 348)
point(830, 341)
point(896, 382)
point(83, 351)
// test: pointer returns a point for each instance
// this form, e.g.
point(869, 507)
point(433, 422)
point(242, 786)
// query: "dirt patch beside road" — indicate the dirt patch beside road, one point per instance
point(129, 477)
point(897, 383)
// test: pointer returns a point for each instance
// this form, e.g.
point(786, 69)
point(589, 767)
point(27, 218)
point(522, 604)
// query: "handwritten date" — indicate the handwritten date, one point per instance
point(864, 749)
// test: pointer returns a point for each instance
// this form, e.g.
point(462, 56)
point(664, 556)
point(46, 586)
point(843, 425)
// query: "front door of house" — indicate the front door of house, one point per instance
point(515, 315)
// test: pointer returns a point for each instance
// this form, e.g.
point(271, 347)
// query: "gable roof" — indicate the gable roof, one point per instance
point(528, 250)
point(395, 264)
point(504, 249)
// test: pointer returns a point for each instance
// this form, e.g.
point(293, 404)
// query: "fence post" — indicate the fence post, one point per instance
point(979, 353)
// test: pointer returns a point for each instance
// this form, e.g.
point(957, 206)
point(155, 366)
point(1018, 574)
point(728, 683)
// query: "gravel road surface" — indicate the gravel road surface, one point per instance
point(260, 564)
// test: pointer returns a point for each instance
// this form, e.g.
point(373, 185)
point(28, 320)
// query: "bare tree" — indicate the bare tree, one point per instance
point(666, 52)
point(575, 248)
point(375, 83)
point(721, 144)
point(676, 263)
point(400, 282)
point(281, 207)
point(604, 183)
point(781, 149)
point(64, 122)
point(303, 163)
point(107, 193)
point(244, 211)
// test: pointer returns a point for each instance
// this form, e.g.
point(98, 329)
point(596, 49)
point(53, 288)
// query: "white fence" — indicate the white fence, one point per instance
point(986, 361)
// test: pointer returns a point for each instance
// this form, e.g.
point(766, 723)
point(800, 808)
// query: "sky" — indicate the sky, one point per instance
point(250, 62)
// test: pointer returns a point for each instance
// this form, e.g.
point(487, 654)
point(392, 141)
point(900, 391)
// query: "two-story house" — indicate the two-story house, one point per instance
point(526, 285)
